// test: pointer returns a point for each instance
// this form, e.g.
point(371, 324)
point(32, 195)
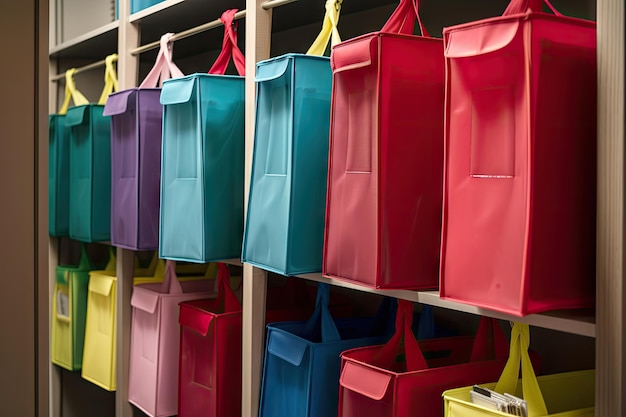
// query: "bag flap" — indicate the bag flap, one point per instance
point(76, 115)
point(272, 69)
point(144, 299)
point(288, 348)
point(356, 53)
point(365, 381)
point(195, 319)
point(117, 103)
point(101, 284)
point(479, 40)
point(178, 90)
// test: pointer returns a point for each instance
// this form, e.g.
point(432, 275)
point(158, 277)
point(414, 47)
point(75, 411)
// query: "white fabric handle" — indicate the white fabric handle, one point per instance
point(164, 68)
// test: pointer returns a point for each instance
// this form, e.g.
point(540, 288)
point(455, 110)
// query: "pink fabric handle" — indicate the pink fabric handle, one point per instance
point(164, 68)
point(402, 20)
point(229, 47)
point(521, 6)
point(413, 353)
point(170, 284)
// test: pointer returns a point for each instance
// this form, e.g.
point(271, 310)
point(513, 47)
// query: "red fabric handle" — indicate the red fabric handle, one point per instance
point(490, 342)
point(402, 20)
point(226, 294)
point(521, 6)
point(414, 358)
point(229, 47)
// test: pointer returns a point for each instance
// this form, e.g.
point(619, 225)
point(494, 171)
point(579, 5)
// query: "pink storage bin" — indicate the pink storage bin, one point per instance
point(154, 344)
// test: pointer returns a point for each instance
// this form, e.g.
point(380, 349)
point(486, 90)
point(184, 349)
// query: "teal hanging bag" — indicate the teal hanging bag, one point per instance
point(202, 170)
point(90, 166)
point(59, 161)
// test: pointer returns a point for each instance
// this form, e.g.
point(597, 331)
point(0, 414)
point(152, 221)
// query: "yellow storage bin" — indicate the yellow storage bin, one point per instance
point(570, 394)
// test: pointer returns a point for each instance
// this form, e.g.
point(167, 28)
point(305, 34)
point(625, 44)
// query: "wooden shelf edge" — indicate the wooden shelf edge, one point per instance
point(565, 321)
point(135, 17)
point(84, 38)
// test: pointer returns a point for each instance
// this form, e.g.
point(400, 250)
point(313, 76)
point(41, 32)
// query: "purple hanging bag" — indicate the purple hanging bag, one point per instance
point(136, 126)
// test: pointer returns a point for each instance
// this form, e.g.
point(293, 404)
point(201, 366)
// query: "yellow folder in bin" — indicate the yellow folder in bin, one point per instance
point(100, 332)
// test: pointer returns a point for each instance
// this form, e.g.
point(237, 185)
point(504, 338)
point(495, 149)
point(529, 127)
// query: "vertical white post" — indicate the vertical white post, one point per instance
point(128, 38)
point(258, 32)
point(610, 295)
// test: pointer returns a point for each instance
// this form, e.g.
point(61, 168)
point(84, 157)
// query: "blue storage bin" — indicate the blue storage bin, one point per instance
point(202, 171)
point(302, 359)
point(138, 5)
point(285, 221)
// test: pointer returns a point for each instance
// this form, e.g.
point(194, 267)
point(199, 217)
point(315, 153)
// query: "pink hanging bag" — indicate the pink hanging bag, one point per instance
point(520, 162)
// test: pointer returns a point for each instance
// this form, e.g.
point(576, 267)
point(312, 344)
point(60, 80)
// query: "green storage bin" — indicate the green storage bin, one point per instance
point(69, 312)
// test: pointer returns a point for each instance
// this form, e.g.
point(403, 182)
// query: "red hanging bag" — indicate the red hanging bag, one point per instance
point(383, 210)
point(520, 162)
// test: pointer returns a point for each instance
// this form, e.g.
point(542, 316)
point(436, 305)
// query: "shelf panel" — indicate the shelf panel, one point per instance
point(580, 322)
point(95, 45)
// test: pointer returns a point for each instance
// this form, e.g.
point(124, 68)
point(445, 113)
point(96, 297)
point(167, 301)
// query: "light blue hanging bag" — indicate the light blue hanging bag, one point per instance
point(286, 210)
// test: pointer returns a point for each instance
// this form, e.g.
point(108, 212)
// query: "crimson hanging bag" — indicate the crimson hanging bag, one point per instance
point(383, 209)
point(59, 161)
point(201, 217)
point(284, 230)
point(520, 164)
point(136, 128)
point(154, 341)
point(210, 354)
point(90, 165)
point(395, 380)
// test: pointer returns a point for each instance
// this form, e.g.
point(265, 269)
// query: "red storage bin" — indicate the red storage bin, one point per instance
point(383, 212)
point(396, 381)
point(210, 345)
point(520, 162)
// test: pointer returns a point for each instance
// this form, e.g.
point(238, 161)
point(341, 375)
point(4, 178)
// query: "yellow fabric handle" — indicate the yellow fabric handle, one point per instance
point(71, 92)
point(520, 342)
point(329, 29)
point(110, 79)
point(112, 264)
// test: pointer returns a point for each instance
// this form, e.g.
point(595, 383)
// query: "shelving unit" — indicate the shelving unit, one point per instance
point(90, 45)
point(269, 33)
